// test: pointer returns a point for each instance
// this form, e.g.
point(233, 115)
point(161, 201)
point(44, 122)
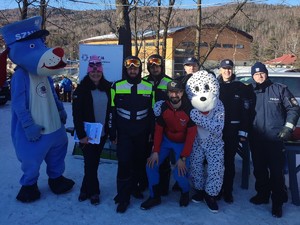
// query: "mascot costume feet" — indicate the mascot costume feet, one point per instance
point(38, 117)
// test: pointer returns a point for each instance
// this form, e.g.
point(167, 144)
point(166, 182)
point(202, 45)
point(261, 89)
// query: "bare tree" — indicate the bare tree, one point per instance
point(123, 26)
point(157, 27)
point(198, 31)
point(222, 27)
point(166, 26)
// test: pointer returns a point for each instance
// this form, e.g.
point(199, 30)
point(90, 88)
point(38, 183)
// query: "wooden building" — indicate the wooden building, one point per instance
point(232, 43)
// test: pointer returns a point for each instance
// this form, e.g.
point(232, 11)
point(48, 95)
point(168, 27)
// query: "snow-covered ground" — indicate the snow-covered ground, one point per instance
point(66, 210)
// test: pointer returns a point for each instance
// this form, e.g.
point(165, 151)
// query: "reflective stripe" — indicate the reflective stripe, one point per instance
point(126, 114)
point(234, 121)
point(289, 125)
point(112, 94)
point(243, 133)
point(123, 87)
point(142, 112)
point(163, 83)
point(144, 88)
point(123, 114)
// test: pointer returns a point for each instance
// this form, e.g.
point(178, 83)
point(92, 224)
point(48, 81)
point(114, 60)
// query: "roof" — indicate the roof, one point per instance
point(170, 31)
point(286, 59)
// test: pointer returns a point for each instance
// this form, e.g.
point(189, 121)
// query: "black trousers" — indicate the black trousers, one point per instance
point(230, 150)
point(91, 156)
point(67, 96)
point(132, 156)
point(268, 162)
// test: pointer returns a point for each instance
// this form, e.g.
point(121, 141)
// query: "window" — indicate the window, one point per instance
point(218, 45)
point(149, 44)
point(239, 46)
point(227, 45)
point(188, 44)
point(203, 44)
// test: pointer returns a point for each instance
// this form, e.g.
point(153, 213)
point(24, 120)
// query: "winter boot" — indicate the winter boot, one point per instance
point(29, 193)
point(227, 196)
point(176, 187)
point(198, 197)
point(259, 199)
point(60, 185)
point(122, 207)
point(211, 202)
point(277, 210)
point(184, 199)
point(152, 201)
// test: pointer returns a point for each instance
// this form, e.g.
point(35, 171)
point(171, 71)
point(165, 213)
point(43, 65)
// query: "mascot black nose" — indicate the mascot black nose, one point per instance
point(203, 99)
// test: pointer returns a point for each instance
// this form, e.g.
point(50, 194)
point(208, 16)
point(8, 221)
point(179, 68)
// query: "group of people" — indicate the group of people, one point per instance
point(144, 118)
point(64, 89)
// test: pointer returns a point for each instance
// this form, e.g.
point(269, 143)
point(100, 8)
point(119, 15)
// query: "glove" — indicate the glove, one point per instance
point(285, 134)
point(63, 116)
point(33, 132)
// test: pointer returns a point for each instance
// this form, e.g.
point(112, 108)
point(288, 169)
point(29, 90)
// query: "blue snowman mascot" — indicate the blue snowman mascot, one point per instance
point(38, 117)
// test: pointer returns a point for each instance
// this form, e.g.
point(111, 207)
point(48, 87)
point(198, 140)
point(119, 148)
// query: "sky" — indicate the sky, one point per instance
point(66, 210)
point(99, 4)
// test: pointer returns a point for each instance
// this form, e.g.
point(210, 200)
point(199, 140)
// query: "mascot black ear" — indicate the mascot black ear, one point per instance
point(3, 61)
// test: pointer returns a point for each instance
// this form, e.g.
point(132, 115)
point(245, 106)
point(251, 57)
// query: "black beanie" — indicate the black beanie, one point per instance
point(259, 67)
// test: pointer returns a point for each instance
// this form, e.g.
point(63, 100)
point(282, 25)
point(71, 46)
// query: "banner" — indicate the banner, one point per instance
point(111, 57)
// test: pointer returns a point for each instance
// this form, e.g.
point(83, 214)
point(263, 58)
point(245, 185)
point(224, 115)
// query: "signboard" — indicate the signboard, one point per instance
point(111, 57)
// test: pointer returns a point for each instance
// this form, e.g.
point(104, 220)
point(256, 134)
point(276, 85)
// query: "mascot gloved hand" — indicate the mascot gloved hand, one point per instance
point(33, 132)
point(38, 117)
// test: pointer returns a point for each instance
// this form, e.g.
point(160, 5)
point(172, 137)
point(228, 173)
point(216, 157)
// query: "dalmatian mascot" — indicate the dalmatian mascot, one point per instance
point(38, 117)
point(203, 91)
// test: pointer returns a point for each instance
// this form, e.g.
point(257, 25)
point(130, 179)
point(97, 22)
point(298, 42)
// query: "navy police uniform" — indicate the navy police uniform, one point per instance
point(275, 109)
point(234, 95)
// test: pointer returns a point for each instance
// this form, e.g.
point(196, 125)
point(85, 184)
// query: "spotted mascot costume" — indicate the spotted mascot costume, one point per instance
point(38, 117)
point(203, 91)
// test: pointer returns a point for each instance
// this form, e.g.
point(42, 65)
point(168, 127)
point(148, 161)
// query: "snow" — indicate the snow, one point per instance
point(66, 210)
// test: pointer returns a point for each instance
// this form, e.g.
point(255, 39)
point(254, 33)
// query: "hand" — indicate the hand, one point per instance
point(33, 132)
point(63, 116)
point(152, 159)
point(84, 140)
point(285, 134)
point(182, 170)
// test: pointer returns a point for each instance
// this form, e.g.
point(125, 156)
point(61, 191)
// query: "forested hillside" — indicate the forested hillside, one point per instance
point(275, 28)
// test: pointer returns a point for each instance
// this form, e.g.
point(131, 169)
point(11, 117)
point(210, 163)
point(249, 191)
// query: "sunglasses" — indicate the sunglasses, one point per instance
point(132, 62)
point(92, 64)
point(155, 61)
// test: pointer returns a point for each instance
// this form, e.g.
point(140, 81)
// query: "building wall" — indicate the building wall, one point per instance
point(181, 45)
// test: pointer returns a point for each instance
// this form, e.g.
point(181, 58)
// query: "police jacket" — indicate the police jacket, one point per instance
point(176, 125)
point(236, 100)
point(160, 85)
point(131, 105)
point(275, 106)
point(82, 106)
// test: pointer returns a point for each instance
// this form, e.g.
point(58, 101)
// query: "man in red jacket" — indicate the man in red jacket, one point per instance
point(174, 130)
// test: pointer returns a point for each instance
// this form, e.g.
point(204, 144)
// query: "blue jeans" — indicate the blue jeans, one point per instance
point(153, 173)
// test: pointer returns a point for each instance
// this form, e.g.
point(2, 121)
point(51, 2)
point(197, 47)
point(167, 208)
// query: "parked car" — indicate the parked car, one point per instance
point(4, 93)
point(291, 79)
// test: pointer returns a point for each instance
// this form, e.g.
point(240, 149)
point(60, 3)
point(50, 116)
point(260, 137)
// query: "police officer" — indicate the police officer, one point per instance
point(159, 80)
point(191, 65)
point(233, 94)
point(130, 125)
point(276, 113)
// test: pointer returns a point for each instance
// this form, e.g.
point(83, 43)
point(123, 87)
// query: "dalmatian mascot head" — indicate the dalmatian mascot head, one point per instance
point(203, 91)
point(38, 117)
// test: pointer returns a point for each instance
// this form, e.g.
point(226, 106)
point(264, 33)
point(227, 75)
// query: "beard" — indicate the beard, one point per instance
point(175, 100)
